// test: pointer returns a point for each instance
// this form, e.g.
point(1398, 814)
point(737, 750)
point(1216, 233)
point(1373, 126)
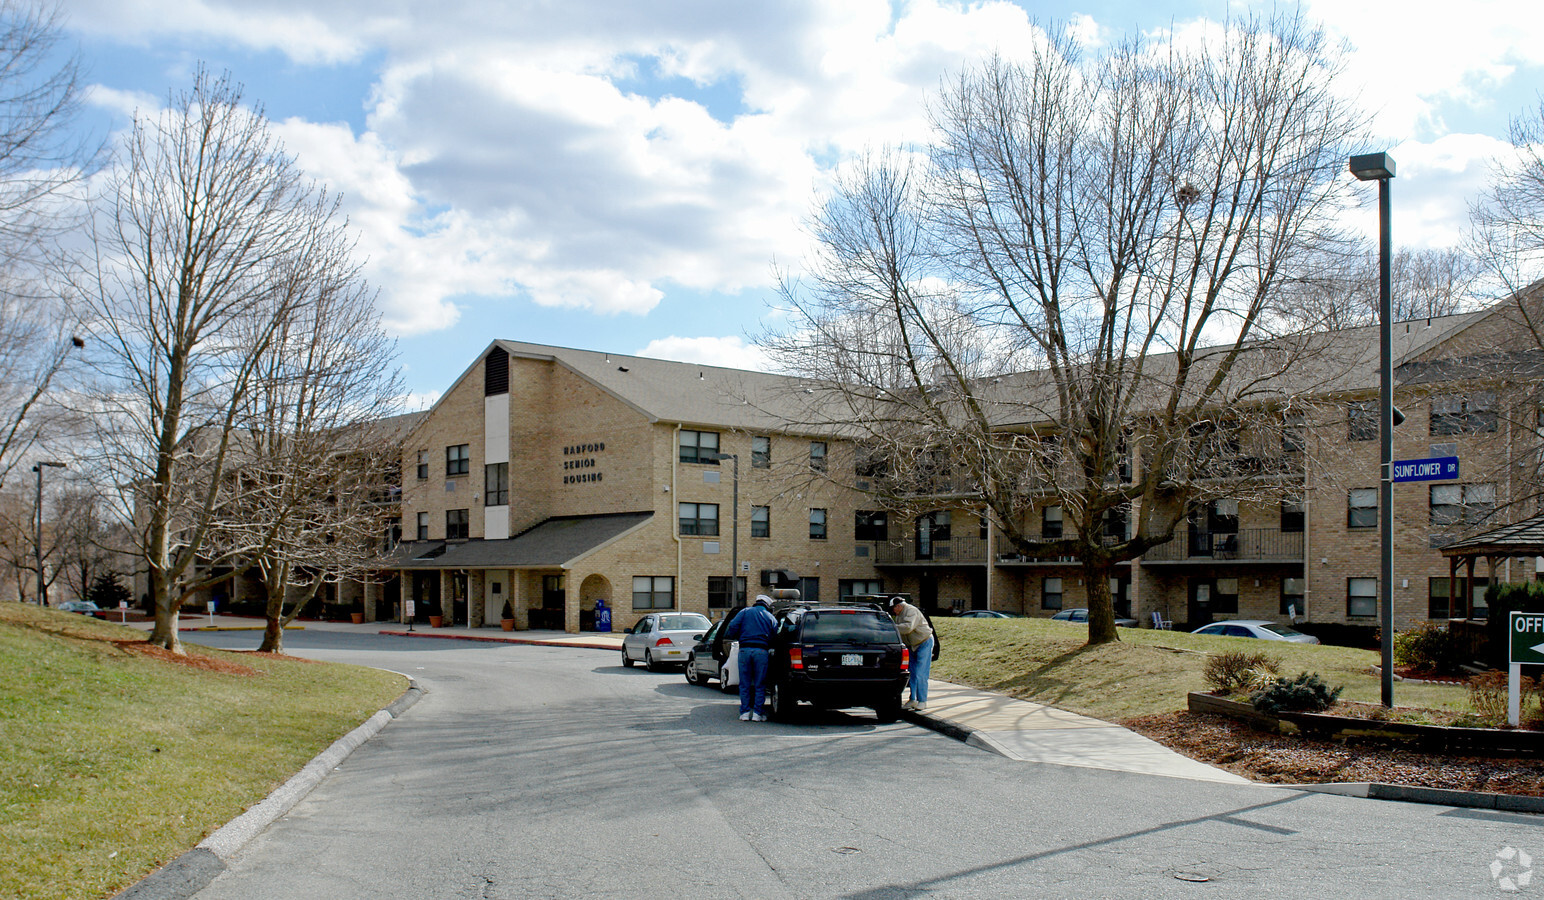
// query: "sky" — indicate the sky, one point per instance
point(632, 175)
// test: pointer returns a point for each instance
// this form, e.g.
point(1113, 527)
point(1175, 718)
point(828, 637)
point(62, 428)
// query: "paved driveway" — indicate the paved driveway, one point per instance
point(532, 771)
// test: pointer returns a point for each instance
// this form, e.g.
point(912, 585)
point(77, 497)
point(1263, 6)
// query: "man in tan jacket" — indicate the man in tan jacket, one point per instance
point(918, 635)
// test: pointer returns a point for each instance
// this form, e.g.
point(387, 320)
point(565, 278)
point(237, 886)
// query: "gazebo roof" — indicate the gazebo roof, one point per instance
point(1525, 538)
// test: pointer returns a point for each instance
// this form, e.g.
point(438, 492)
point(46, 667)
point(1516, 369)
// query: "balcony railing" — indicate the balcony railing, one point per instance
point(953, 550)
point(1270, 544)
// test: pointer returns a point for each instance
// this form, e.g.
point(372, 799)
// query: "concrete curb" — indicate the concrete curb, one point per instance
point(1438, 796)
point(194, 870)
point(538, 642)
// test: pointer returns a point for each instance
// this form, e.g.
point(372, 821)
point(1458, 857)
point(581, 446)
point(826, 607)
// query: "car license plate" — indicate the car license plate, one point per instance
point(852, 659)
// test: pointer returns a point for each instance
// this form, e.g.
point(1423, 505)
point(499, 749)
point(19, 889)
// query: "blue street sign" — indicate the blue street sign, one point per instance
point(1436, 468)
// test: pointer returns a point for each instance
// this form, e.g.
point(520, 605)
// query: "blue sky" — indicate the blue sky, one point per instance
point(624, 176)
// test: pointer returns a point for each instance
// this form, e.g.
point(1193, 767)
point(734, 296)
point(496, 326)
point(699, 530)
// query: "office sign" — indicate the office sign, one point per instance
point(1527, 644)
point(1435, 468)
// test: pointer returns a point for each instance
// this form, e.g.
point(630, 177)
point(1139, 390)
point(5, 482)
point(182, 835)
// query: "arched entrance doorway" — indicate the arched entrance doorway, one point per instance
point(594, 587)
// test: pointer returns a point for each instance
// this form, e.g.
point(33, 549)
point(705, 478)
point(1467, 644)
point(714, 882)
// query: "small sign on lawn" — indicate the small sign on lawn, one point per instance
point(1526, 647)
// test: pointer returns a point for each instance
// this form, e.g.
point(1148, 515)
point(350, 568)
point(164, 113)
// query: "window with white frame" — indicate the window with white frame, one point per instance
point(761, 452)
point(1362, 597)
point(653, 592)
point(761, 521)
point(699, 519)
point(1462, 504)
point(817, 524)
point(699, 447)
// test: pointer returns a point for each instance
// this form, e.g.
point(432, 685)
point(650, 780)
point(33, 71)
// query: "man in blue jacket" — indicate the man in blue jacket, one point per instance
point(754, 629)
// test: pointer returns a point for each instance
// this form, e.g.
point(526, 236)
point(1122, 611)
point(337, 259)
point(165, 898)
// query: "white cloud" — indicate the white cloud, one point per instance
point(728, 352)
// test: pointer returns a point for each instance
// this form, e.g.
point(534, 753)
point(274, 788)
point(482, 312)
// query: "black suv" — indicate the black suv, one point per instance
point(836, 657)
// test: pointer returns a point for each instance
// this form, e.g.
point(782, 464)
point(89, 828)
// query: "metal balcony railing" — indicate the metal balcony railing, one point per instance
point(952, 550)
point(1271, 544)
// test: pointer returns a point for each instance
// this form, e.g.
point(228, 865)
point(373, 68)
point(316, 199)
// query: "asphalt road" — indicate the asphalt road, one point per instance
point(550, 772)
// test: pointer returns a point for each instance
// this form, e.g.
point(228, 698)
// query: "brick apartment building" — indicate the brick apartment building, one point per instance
point(549, 479)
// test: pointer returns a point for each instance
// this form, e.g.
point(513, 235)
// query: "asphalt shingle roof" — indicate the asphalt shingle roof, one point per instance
point(553, 543)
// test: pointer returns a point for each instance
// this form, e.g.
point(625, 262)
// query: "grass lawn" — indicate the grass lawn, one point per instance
point(114, 761)
point(1147, 672)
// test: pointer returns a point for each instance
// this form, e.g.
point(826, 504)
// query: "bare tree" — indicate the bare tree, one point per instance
point(1508, 220)
point(42, 164)
point(197, 247)
point(1070, 302)
point(1341, 290)
point(320, 452)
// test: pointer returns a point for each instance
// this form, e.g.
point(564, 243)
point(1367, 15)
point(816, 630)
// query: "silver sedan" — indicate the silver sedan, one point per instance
point(662, 639)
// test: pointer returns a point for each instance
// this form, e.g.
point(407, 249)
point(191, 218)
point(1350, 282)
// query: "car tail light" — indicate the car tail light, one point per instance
point(905, 660)
point(663, 642)
point(795, 657)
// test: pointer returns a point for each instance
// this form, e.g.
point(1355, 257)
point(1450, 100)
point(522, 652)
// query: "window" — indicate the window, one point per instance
point(496, 484)
point(761, 521)
point(1362, 508)
point(1225, 596)
point(871, 525)
point(1362, 597)
point(1115, 523)
point(457, 525)
point(1362, 421)
point(1050, 593)
point(718, 592)
point(1463, 414)
point(423, 526)
point(1294, 434)
point(458, 459)
point(817, 456)
point(393, 533)
point(1051, 522)
point(1292, 515)
point(1437, 599)
point(761, 452)
point(817, 524)
point(700, 519)
point(1294, 597)
point(653, 592)
point(1461, 504)
point(423, 465)
point(851, 587)
point(809, 589)
point(699, 447)
point(870, 462)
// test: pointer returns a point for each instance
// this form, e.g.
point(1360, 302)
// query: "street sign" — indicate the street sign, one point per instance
point(1435, 468)
point(1527, 631)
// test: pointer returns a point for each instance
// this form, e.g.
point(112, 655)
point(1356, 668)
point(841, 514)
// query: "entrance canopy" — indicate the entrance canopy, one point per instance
point(554, 543)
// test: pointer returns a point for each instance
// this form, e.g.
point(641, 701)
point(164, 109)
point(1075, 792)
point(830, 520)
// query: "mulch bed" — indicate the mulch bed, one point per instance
point(1278, 759)
point(192, 660)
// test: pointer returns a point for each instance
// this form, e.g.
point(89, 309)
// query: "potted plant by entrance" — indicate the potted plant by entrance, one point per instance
point(507, 618)
point(356, 612)
point(436, 620)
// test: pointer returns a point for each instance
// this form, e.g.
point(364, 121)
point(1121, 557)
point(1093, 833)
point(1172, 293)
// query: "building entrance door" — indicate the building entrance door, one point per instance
point(1199, 608)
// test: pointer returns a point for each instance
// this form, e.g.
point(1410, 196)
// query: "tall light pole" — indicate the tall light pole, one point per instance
point(734, 558)
point(42, 584)
point(1379, 167)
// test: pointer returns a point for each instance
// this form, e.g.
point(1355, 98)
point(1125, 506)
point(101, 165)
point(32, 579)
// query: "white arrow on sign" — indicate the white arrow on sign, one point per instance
point(1538, 648)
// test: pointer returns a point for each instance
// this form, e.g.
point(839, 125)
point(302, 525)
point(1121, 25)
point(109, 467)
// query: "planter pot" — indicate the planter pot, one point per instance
point(507, 624)
point(436, 621)
point(357, 618)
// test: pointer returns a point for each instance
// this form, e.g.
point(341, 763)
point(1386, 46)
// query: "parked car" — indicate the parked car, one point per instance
point(661, 639)
point(711, 659)
point(84, 607)
point(1081, 615)
point(836, 657)
point(1256, 628)
point(988, 614)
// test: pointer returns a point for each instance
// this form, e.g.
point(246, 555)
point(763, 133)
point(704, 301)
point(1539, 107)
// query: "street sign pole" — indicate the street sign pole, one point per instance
point(1525, 645)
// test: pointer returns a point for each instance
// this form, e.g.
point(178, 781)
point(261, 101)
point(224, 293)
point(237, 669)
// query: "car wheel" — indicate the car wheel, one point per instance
point(890, 710)
point(723, 682)
point(627, 661)
point(692, 675)
point(781, 702)
point(648, 661)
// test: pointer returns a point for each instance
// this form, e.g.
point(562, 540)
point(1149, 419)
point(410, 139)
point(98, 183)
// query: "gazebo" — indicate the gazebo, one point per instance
point(1518, 540)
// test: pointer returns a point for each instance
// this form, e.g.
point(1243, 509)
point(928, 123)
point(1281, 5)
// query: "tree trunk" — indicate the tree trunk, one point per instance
point(167, 606)
point(1097, 571)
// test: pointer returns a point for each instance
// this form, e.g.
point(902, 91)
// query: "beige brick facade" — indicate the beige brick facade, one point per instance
point(594, 435)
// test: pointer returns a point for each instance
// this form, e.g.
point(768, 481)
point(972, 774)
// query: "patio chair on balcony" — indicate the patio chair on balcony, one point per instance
point(1160, 623)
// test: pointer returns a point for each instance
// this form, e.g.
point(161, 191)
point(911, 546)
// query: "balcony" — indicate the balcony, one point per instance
point(953, 551)
point(1248, 545)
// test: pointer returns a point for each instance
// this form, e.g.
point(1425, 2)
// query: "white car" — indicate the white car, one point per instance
point(663, 639)
point(1256, 628)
